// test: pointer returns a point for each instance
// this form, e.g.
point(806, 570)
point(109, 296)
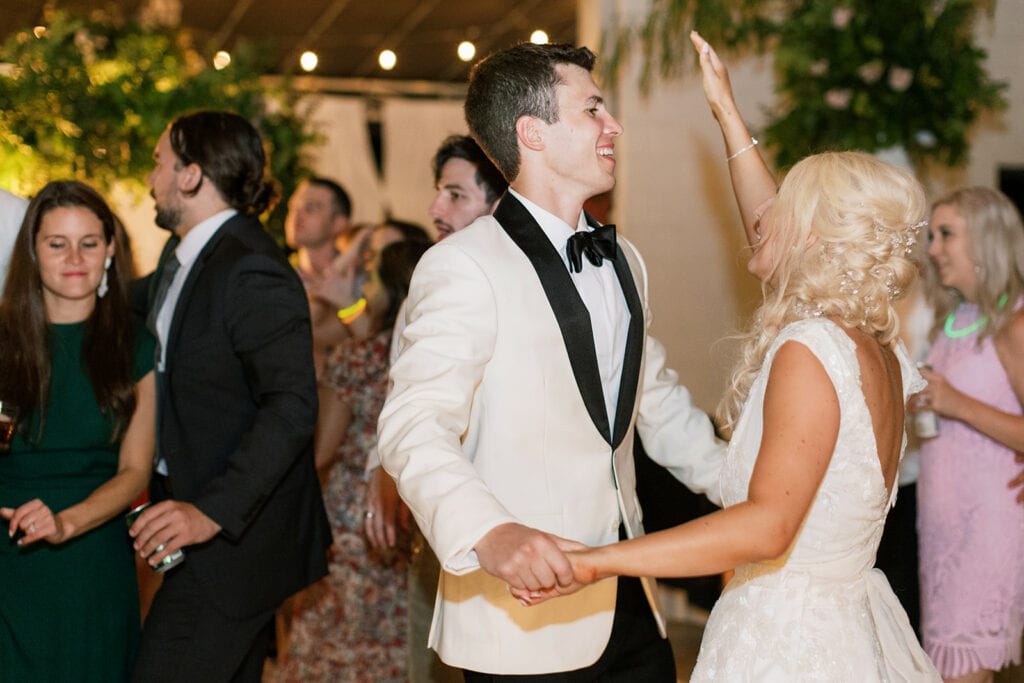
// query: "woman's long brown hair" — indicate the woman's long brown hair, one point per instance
point(108, 348)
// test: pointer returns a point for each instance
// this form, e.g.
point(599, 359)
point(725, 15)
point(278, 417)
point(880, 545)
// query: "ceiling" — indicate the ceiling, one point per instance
point(347, 35)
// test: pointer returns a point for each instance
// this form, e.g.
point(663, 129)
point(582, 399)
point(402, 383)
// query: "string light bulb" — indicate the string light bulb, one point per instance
point(308, 60)
point(466, 50)
point(221, 60)
point(539, 37)
point(387, 60)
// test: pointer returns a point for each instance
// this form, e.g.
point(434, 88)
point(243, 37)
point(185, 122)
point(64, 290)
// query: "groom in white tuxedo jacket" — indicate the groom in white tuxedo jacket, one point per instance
point(523, 372)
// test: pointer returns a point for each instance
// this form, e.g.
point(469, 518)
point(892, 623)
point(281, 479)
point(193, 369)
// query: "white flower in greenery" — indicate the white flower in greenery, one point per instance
point(871, 71)
point(818, 68)
point(925, 138)
point(900, 78)
point(838, 98)
point(156, 13)
point(841, 16)
point(85, 44)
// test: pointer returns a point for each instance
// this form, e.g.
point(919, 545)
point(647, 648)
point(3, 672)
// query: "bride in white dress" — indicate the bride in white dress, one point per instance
point(816, 410)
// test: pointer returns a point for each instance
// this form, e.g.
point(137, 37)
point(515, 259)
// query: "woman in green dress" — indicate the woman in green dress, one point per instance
point(79, 368)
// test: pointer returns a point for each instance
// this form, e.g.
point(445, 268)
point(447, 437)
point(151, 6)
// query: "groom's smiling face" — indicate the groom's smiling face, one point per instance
point(580, 146)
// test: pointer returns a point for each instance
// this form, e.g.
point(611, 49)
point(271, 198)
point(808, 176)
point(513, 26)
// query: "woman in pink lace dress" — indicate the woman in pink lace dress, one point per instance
point(351, 625)
point(971, 526)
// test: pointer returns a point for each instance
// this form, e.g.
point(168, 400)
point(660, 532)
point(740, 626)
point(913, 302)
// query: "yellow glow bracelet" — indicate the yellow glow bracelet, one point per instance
point(350, 313)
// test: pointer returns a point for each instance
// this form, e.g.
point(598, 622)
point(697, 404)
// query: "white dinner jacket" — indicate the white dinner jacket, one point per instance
point(496, 414)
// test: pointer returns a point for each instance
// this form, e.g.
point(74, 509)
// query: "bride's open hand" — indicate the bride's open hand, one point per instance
point(584, 573)
point(717, 88)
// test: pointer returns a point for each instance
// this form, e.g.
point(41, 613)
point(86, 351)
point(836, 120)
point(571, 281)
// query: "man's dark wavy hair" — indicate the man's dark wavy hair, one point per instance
point(230, 153)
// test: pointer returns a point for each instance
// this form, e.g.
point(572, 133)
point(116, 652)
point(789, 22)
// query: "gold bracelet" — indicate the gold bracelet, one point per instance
point(752, 145)
point(350, 313)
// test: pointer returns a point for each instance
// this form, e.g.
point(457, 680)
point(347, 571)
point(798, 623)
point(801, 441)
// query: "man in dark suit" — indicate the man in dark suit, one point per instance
point(236, 412)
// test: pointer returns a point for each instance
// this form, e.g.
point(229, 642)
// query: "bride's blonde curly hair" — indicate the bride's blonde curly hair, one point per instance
point(842, 230)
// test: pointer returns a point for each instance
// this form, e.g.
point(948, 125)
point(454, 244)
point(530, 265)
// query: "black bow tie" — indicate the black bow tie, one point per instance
point(597, 245)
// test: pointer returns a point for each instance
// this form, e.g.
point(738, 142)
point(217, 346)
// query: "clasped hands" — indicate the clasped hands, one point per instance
point(536, 565)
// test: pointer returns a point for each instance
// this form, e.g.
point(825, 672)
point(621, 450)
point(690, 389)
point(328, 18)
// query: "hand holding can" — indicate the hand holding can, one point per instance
point(172, 560)
point(926, 422)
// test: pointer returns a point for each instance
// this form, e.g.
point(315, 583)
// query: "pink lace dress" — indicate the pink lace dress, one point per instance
point(970, 526)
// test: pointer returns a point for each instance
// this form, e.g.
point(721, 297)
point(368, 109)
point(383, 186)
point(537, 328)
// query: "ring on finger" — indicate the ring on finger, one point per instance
point(369, 514)
point(31, 528)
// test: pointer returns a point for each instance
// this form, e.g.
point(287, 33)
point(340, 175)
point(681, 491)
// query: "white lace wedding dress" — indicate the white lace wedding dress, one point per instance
point(820, 613)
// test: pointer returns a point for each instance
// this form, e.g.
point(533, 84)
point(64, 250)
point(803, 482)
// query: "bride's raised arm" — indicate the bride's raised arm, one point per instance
point(752, 180)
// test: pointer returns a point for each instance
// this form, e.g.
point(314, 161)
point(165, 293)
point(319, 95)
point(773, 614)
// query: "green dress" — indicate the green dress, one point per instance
point(68, 612)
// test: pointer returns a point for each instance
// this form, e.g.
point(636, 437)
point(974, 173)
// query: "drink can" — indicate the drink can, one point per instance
point(926, 424)
point(172, 560)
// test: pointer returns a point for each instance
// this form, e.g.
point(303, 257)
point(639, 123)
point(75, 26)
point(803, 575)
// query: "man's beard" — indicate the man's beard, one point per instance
point(168, 218)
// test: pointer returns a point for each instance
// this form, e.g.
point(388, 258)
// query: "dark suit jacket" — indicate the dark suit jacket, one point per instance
point(236, 412)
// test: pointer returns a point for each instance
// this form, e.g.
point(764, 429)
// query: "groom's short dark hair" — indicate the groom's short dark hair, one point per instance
point(514, 82)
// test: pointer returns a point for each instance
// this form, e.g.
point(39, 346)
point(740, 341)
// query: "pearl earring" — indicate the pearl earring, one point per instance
point(104, 286)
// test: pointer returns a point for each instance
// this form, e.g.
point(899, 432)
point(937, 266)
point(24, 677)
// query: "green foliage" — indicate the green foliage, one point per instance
point(850, 74)
point(89, 98)
point(663, 35)
point(873, 74)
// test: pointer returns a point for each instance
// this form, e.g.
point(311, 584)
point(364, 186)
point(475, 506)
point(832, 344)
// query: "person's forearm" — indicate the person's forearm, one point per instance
point(328, 330)
point(1005, 428)
point(711, 544)
point(752, 182)
point(333, 421)
point(109, 499)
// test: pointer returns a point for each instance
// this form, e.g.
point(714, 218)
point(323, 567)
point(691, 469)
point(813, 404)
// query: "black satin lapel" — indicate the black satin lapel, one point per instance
point(634, 346)
point(634, 349)
point(570, 311)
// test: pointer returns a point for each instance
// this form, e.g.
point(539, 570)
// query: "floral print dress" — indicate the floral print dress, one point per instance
point(351, 625)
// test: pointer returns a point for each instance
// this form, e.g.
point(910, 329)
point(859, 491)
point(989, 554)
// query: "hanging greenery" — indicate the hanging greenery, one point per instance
point(850, 74)
point(88, 97)
point(662, 36)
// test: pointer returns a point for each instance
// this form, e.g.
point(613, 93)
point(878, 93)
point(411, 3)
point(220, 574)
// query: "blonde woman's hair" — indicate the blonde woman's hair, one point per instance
point(843, 228)
point(995, 244)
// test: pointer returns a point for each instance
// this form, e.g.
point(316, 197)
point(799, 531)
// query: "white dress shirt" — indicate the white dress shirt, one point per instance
point(186, 252)
point(602, 294)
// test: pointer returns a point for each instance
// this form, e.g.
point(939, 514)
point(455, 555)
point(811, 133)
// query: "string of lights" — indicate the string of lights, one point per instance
point(387, 59)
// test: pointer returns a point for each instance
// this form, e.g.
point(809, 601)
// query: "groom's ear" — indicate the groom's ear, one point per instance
point(529, 130)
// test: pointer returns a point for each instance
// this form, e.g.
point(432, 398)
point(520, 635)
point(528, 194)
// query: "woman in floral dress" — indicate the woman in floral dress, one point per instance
point(351, 626)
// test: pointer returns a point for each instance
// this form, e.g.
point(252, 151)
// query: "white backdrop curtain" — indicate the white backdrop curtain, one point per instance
point(344, 153)
point(411, 131)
